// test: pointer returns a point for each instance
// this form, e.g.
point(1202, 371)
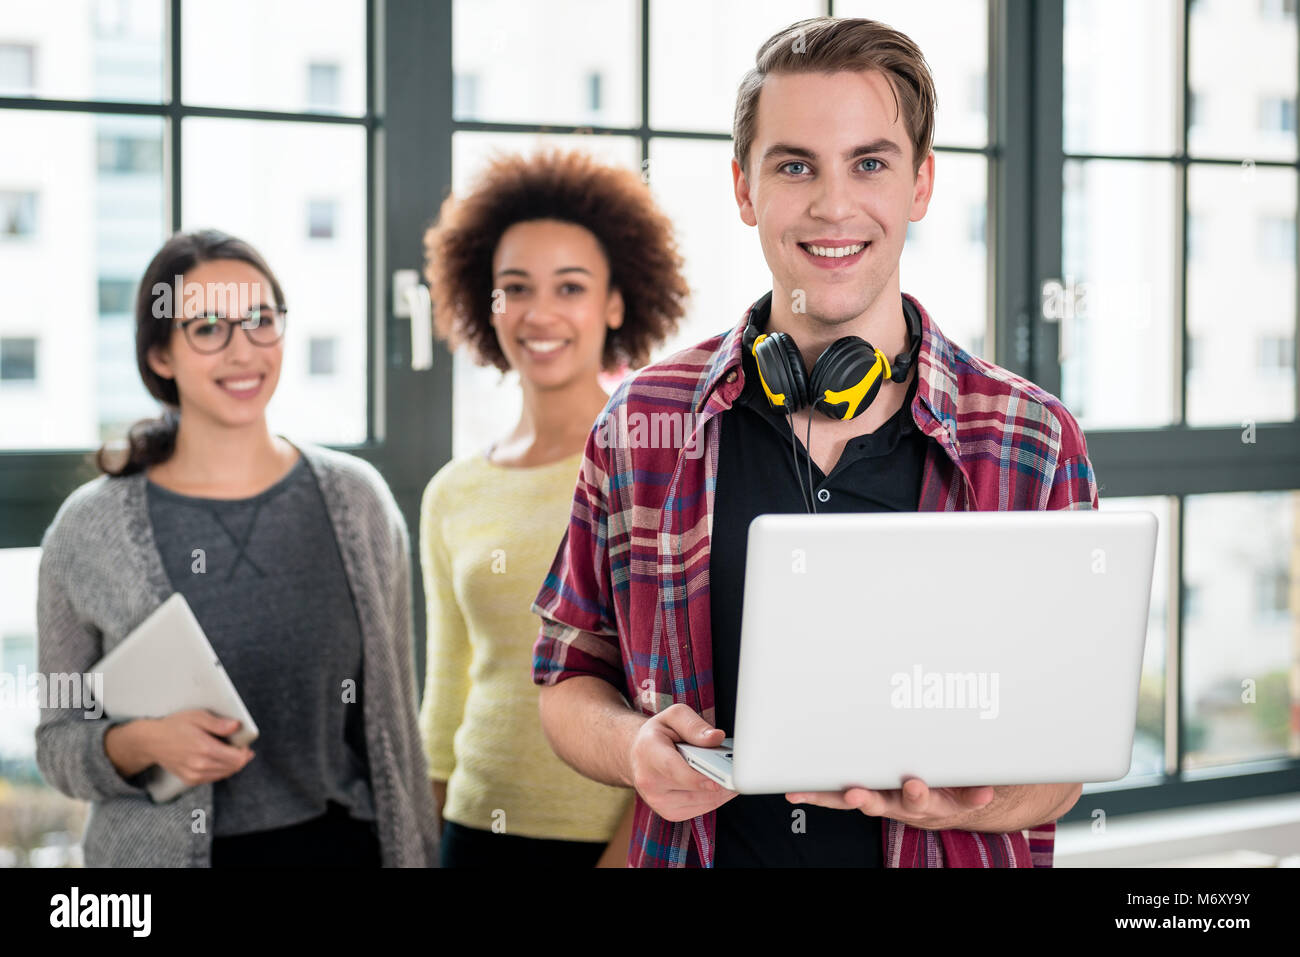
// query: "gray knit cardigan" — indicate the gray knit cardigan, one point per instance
point(101, 575)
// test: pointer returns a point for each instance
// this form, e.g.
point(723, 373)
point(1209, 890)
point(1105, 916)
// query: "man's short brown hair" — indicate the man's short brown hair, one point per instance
point(829, 45)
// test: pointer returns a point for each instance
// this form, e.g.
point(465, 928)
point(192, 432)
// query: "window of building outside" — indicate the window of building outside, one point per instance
point(18, 359)
point(17, 214)
point(323, 84)
point(321, 360)
point(321, 214)
point(17, 69)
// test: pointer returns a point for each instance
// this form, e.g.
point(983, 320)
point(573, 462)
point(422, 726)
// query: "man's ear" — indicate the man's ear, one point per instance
point(159, 358)
point(741, 186)
point(614, 308)
point(922, 189)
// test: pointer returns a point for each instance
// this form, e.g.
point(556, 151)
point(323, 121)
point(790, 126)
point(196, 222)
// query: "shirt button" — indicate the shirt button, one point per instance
point(731, 376)
point(823, 495)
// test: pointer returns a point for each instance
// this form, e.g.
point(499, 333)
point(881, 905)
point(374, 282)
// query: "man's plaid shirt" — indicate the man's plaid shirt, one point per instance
point(627, 598)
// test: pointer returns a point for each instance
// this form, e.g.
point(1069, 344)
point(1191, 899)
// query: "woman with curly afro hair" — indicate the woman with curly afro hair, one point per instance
point(558, 267)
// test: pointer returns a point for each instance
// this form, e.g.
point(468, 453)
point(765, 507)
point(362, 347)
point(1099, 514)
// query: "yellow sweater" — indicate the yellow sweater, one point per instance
point(488, 535)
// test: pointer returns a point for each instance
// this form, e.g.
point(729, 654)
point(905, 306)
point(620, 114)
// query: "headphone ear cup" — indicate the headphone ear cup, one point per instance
point(844, 367)
point(782, 369)
point(798, 374)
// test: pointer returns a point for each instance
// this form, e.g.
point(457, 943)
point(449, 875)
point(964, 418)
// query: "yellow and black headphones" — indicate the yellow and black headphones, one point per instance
point(844, 380)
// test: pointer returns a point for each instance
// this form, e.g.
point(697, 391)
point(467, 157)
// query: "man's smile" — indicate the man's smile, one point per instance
point(834, 253)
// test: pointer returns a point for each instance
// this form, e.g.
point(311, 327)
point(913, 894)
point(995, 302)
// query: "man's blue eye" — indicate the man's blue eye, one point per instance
point(876, 161)
point(795, 163)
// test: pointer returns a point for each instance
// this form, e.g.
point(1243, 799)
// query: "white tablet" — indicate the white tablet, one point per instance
point(166, 665)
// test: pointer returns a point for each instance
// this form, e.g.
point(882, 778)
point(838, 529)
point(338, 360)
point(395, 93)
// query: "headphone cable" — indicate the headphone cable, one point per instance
point(807, 449)
point(794, 456)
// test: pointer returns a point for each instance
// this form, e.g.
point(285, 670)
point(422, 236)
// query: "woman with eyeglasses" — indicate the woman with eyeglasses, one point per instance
point(559, 268)
point(294, 559)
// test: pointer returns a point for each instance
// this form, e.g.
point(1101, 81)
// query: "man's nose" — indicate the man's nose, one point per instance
point(833, 199)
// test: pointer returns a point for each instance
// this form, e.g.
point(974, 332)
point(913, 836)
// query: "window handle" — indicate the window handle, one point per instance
point(411, 300)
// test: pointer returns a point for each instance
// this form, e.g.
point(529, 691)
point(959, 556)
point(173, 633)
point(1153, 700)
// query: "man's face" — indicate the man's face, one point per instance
point(831, 189)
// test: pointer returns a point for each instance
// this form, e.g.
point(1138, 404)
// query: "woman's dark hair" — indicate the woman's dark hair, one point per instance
point(613, 204)
point(157, 304)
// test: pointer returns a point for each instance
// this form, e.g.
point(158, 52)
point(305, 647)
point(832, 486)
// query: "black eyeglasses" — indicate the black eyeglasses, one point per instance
point(264, 326)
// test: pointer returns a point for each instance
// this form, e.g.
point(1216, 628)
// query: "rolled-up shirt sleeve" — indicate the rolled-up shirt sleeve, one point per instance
point(579, 633)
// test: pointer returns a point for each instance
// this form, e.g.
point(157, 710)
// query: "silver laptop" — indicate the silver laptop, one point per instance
point(963, 648)
point(165, 665)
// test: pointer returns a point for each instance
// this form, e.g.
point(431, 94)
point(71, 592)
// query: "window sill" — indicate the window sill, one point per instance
point(1210, 835)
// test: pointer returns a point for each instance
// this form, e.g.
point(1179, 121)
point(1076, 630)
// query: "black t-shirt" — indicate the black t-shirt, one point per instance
point(879, 472)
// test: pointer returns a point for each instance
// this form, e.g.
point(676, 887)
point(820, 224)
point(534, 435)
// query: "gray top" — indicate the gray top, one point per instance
point(101, 575)
point(264, 578)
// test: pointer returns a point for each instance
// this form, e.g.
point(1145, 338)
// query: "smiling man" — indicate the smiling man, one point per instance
point(833, 133)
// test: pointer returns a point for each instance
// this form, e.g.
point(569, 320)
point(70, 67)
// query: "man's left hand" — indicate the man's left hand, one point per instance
point(914, 803)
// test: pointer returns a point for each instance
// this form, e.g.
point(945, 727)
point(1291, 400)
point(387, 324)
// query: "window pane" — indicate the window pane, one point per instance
point(1120, 78)
point(535, 62)
point(1241, 294)
point(1116, 301)
point(76, 233)
point(1241, 633)
point(83, 50)
point(724, 265)
point(700, 51)
point(297, 56)
point(953, 35)
point(485, 403)
point(945, 258)
point(39, 827)
point(265, 196)
point(1149, 737)
point(1242, 113)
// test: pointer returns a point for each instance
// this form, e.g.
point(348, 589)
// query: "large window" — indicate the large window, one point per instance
point(1174, 310)
point(122, 121)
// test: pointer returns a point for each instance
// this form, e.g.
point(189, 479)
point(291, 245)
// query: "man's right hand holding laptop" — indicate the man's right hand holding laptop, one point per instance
point(675, 790)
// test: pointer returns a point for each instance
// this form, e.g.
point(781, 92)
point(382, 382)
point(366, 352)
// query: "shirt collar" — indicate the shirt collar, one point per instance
point(934, 409)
